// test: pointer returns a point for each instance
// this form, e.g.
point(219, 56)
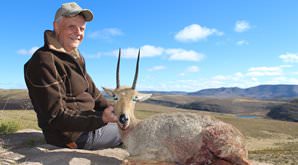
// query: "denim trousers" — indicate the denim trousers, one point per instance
point(107, 136)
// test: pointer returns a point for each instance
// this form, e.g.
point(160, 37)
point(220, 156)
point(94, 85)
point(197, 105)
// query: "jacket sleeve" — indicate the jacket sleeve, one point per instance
point(100, 102)
point(47, 94)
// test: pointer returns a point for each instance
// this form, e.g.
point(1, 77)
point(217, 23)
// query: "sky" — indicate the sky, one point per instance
point(186, 45)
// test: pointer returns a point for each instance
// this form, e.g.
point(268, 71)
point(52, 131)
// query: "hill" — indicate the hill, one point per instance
point(259, 92)
point(240, 106)
point(287, 111)
point(14, 99)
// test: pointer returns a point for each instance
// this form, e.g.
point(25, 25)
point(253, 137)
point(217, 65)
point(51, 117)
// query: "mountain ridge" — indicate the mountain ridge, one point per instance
point(280, 91)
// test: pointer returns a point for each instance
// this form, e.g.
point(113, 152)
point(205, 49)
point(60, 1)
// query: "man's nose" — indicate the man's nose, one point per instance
point(123, 119)
point(77, 30)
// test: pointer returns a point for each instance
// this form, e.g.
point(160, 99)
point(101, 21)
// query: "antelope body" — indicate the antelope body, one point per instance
point(181, 138)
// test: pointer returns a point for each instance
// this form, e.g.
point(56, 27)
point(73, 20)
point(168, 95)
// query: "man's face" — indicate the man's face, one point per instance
point(70, 31)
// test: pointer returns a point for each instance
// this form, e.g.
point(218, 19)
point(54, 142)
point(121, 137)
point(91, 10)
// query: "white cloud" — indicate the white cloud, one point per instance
point(242, 26)
point(151, 51)
point(265, 71)
point(27, 52)
point(146, 51)
point(282, 80)
point(193, 69)
point(242, 42)
point(219, 78)
point(286, 66)
point(238, 79)
point(106, 33)
point(177, 54)
point(184, 55)
point(190, 69)
point(128, 52)
point(194, 33)
point(253, 77)
point(238, 74)
point(157, 68)
point(289, 57)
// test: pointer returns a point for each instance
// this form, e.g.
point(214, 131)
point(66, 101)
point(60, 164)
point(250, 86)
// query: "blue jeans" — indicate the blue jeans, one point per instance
point(107, 136)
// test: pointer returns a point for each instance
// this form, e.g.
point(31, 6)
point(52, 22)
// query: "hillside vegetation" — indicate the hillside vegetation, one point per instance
point(14, 99)
point(288, 112)
point(243, 106)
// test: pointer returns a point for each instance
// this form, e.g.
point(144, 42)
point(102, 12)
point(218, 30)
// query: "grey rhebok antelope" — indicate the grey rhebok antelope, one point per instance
point(126, 97)
point(181, 138)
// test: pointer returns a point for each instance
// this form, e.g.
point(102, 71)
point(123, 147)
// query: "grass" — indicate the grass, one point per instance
point(8, 127)
point(273, 141)
point(262, 128)
point(282, 156)
point(23, 119)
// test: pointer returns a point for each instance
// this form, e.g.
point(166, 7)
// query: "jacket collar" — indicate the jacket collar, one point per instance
point(52, 43)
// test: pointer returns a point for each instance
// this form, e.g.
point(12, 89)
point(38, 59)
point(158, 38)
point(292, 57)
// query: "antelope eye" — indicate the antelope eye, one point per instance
point(115, 97)
point(135, 98)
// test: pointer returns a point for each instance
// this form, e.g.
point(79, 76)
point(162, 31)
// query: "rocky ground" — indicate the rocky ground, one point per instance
point(27, 147)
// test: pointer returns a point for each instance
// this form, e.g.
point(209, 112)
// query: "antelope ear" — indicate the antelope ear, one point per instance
point(108, 91)
point(143, 97)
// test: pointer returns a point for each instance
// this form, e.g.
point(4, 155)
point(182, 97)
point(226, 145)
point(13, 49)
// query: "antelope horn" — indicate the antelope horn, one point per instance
point(117, 71)
point(136, 73)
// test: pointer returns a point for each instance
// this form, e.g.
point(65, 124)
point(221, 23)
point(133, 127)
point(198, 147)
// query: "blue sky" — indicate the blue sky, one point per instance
point(186, 45)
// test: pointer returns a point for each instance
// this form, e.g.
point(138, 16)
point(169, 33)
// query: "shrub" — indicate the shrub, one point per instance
point(8, 127)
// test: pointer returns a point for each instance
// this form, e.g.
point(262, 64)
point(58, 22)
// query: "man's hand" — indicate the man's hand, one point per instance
point(108, 115)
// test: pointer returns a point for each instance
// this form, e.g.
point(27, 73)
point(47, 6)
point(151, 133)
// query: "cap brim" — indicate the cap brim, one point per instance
point(87, 14)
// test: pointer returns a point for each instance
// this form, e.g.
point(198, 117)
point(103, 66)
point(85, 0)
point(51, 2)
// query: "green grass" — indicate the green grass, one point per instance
point(26, 119)
point(282, 156)
point(7, 127)
point(262, 128)
point(23, 119)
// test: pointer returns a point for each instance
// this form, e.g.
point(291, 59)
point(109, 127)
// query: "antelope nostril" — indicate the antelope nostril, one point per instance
point(123, 119)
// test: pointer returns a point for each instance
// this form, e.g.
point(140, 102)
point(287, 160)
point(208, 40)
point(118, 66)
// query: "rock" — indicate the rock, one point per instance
point(27, 147)
point(18, 148)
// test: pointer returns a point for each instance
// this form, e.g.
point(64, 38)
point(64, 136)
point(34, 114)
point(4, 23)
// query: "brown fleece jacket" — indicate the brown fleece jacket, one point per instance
point(63, 95)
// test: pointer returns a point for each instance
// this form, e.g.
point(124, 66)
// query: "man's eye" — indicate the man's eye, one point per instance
point(71, 27)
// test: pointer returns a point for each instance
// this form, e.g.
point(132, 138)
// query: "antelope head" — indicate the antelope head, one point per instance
point(125, 98)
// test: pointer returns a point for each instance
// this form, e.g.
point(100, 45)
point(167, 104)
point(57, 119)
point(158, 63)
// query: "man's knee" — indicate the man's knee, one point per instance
point(104, 137)
point(111, 135)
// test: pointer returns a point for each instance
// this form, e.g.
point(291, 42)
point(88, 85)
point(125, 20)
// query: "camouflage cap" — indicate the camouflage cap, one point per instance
point(72, 9)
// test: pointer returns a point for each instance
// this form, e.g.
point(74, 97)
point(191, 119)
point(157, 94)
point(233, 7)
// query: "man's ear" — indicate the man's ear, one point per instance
point(56, 27)
point(143, 97)
point(108, 91)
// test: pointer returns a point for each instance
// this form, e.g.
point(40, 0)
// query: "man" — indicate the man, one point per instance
point(70, 109)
